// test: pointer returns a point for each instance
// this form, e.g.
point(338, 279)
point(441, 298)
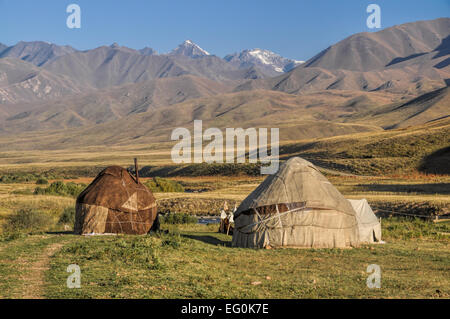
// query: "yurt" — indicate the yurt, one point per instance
point(296, 207)
point(115, 202)
point(368, 224)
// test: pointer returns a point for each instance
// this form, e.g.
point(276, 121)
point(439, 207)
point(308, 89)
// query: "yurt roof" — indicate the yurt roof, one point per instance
point(297, 181)
point(115, 188)
point(364, 212)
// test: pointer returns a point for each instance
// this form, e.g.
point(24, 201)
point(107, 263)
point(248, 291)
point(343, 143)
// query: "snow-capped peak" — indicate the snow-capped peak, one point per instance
point(190, 49)
point(263, 58)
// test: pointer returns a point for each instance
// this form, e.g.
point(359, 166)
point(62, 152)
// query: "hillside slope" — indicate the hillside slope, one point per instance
point(423, 147)
point(373, 51)
point(22, 82)
point(109, 104)
point(426, 108)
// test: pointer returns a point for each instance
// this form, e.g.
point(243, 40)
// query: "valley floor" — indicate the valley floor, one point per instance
point(194, 261)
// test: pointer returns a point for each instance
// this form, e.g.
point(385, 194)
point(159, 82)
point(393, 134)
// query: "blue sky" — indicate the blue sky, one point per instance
point(293, 28)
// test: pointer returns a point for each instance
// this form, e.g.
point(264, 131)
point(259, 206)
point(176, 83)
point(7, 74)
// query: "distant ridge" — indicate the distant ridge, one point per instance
point(37, 52)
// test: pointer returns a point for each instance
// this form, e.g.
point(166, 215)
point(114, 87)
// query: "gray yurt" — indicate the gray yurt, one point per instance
point(368, 224)
point(296, 207)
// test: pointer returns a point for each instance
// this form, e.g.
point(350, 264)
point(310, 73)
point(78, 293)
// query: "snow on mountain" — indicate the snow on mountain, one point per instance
point(266, 59)
point(189, 49)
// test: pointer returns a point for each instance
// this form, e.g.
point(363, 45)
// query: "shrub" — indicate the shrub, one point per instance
point(67, 216)
point(42, 181)
point(162, 185)
point(61, 189)
point(26, 221)
point(203, 169)
point(17, 178)
point(177, 218)
point(173, 240)
point(10, 236)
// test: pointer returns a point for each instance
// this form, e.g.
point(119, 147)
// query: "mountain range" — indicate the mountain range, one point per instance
point(388, 79)
point(270, 62)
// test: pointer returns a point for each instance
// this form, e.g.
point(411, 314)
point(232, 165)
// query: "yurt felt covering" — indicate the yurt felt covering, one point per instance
point(115, 203)
point(296, 207)
point(368, 224)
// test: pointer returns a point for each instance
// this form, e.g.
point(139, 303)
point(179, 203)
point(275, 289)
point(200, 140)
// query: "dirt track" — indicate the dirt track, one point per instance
point(34, 279)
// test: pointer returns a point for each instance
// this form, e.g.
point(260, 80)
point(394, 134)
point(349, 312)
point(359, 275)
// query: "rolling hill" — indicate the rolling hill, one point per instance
point(426, 108)
point(416, 148)
point(298, 117)
point(110, 104)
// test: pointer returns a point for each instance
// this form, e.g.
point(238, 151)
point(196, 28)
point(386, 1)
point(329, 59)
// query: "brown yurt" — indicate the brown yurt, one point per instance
point(115, 202)
point(296, 207)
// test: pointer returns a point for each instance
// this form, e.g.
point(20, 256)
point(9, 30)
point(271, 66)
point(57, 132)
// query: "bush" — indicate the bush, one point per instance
point(162, 185)
point(61, 189)
point(173, 240)
point(67, 216)
point(177, 218)
point(26, 221)
point(42, 181)
point(17, 178)
point(203, 169)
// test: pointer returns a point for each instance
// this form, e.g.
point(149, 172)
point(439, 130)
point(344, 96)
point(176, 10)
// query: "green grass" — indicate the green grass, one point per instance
point(61, 189)
point(163, 185)
point(202, 265)
point(194, 261)
point(16, 259)
point(35, 174)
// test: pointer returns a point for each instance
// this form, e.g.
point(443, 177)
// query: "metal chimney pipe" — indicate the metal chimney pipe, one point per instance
point(136, 169)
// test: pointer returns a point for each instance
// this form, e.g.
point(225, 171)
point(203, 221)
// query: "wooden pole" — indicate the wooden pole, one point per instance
point(136, 169)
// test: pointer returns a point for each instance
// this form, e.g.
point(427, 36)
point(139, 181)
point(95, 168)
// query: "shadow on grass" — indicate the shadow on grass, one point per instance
point(437, 162)
point(208, 239)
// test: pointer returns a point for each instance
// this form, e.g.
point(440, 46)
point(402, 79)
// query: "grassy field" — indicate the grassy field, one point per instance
point(194, 261)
